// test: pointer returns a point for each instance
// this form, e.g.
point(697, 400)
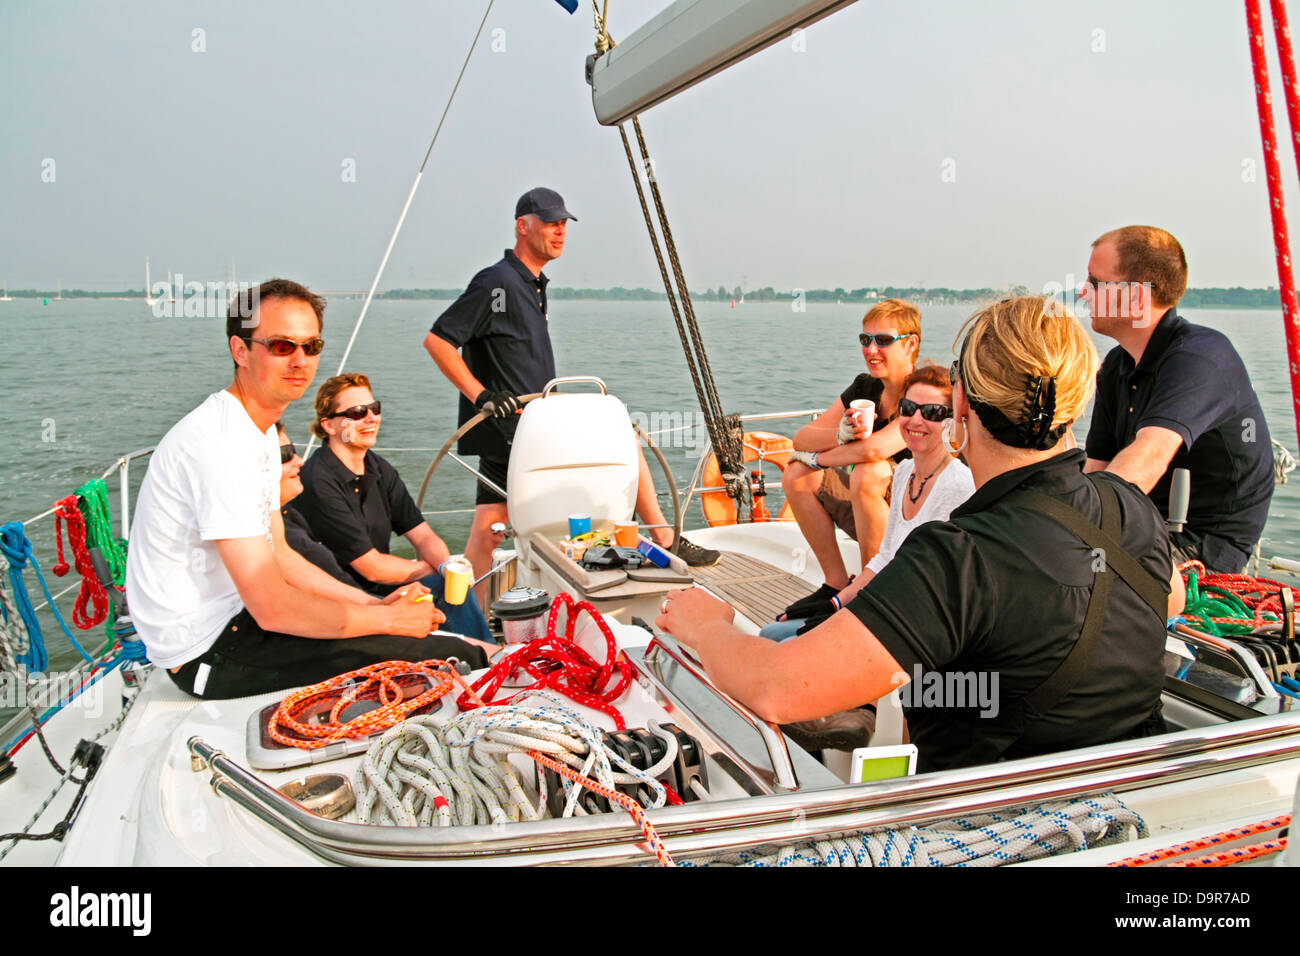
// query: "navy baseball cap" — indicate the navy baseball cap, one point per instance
point(546, 204)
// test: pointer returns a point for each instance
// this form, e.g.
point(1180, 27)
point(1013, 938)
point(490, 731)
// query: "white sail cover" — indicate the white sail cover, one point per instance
point(687, 42)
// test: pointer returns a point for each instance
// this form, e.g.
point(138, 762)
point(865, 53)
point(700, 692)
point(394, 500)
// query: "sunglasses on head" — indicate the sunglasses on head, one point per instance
point(931, 413)
point(287, 452)
point(357, 412)
point(282, 347)
point(883, 340)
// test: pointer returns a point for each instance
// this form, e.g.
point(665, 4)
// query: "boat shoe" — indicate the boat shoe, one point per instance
point(694, 555)
point(846, 730)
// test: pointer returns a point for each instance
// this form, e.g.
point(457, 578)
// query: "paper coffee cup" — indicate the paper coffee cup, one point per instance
point(456, 578)
point(626, 533)
point(579, 524)
point(863, 411)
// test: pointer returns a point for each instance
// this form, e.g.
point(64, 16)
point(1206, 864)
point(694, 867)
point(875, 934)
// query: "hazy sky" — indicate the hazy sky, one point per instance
point(820, 168)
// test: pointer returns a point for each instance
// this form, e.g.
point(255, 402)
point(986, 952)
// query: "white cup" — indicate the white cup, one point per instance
point(863, 411)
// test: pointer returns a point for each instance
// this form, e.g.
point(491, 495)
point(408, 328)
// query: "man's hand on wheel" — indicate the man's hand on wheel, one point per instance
point(497, 404)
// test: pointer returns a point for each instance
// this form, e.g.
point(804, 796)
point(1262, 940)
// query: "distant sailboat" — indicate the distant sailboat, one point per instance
point(6, 297)
point(59, 297)
point(171, 292)
point(149, 299)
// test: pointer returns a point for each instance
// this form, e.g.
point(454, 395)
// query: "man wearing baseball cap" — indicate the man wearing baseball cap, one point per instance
point(493, 344)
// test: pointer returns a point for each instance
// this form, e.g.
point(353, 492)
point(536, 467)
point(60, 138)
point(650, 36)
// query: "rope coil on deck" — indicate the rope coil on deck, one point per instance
point(559, 664)
point(374, 682)
point(423, 773)
point(993, 839)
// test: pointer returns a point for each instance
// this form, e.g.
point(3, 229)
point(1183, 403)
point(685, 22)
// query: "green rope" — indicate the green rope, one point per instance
point(1212, 602)
point(93, 502)
point(99, 528)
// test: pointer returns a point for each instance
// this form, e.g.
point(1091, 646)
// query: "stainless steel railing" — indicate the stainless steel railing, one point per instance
point(700, 827)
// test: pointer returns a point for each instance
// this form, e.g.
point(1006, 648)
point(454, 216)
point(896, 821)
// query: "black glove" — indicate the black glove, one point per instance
point(500, 404)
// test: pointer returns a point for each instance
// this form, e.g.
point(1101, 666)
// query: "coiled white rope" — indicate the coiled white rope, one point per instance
point(425, 773)
point(1283, 463)
point(12, 642)
point(992, 839)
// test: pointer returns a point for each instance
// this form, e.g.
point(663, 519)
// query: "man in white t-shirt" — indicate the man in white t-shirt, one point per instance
point(219, 598)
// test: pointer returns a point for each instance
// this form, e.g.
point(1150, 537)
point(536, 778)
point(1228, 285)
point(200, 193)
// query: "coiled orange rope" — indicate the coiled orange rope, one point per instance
point(1241, 854)
point(374, 682)
point(1213, 839)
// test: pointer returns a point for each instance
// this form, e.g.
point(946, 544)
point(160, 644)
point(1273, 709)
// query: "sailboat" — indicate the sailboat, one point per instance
point(193, 783)
point(6, 297)
point(149, 298)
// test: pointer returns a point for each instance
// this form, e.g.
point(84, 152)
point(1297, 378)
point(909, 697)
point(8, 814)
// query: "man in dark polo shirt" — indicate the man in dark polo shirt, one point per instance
point(1175, 395)
point(500, 323)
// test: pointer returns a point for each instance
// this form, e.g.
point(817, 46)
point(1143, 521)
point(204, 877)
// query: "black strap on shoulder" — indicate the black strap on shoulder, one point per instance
point(1113, 558)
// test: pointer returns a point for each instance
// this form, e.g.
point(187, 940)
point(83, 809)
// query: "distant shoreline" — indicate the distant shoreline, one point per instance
point(1235, 298)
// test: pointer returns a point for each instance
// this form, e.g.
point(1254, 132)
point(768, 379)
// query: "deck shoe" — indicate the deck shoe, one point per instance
point(694, 555)
point(815, 603)
point(846, 730)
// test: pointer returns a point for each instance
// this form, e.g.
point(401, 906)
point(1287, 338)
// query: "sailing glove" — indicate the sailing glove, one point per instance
point(497, 404)
point(808, 458)
point(846, 432)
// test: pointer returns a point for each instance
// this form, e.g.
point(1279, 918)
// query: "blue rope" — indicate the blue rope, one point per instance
point(133, 651)
point(17, 547)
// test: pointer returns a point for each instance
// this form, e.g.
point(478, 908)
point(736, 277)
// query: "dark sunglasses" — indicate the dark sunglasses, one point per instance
point(931, 413)
point(953, 375)
point(287, 452)
point(357, 412)
point(282, 348)
point(882, 339)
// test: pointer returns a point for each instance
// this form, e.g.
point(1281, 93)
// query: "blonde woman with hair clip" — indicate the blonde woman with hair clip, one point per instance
point(1050, 587)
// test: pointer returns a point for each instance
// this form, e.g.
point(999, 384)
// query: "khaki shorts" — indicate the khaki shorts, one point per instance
point(835, 497)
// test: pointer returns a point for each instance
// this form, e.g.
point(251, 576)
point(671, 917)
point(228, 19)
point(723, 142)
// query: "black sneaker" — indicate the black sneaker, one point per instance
point(694, 555)
point(847, 730)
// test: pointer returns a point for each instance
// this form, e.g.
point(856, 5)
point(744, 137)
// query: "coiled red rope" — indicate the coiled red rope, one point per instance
point(559, 664)
point(92, 592)
point(1277, 202)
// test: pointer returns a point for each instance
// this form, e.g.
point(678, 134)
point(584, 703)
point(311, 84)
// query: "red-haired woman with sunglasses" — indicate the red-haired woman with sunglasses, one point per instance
point(926, 487)
point(355, 501)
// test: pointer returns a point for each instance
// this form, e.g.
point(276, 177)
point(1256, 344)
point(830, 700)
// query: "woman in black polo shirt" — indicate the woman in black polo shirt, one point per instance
point(982, 613)
point(354, 502)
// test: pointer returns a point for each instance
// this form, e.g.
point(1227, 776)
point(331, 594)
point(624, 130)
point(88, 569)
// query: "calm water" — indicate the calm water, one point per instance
point(95, 379)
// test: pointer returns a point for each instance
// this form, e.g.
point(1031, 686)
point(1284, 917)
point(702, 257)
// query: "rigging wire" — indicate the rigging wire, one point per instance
point(365, 307)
